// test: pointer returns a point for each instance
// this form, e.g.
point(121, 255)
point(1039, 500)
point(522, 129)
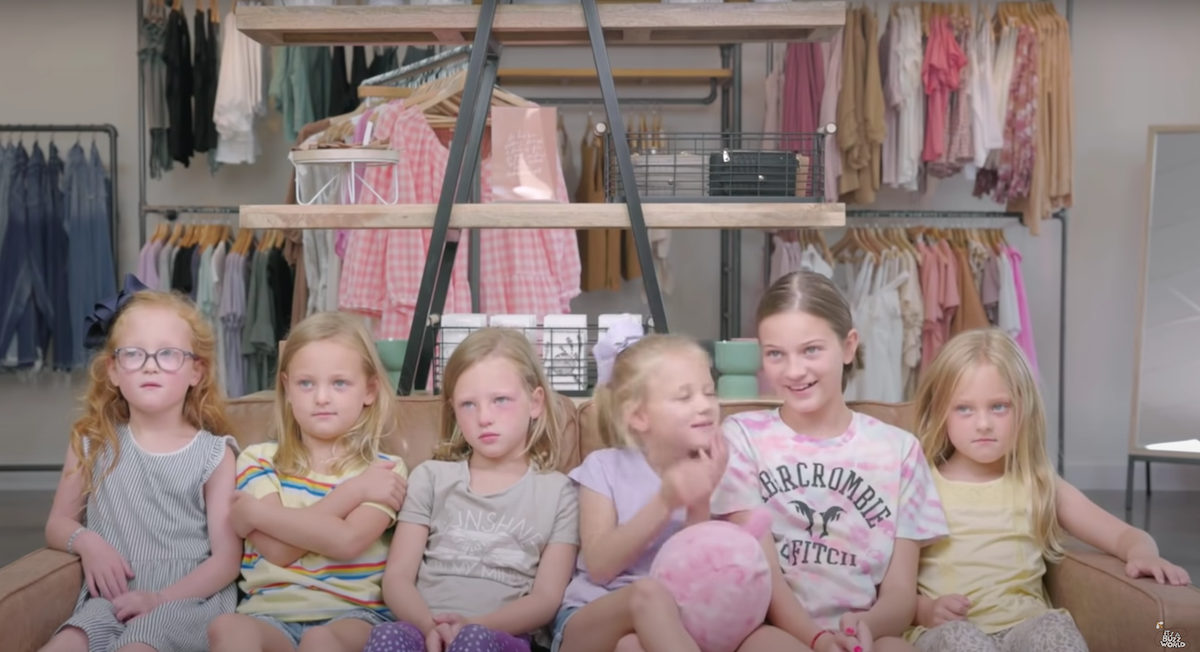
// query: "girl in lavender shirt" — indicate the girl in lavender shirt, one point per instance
point(659, 417)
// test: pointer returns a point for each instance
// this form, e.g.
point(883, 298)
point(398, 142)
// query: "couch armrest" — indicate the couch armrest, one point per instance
point(1116, 613)
point(37, 594)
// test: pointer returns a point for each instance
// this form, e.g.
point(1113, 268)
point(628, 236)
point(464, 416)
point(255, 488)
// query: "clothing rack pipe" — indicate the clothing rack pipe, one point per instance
point(111, 132)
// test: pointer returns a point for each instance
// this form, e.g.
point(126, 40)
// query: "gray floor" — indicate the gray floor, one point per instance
point(1170, 516)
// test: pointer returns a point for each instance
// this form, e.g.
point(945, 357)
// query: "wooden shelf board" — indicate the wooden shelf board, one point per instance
point(567, 76)
point(659, 76)
point(547, 216)
point(624, 24)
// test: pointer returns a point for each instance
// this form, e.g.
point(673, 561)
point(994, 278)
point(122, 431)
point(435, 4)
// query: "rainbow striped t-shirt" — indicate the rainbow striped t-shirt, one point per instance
point(313, 587)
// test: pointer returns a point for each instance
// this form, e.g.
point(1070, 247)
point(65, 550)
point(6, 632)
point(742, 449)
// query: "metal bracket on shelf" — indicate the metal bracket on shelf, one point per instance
point(465, 148)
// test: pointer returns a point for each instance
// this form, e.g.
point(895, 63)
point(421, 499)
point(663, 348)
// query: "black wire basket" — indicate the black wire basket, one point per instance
point(566, 354)
point(721, 167)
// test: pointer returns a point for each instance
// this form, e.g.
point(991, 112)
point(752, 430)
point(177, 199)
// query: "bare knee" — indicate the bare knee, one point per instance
point(319, 639)
point(629, 643)
point(647, 593)
point(70, 639)
point(894, 644)
point(229, 631)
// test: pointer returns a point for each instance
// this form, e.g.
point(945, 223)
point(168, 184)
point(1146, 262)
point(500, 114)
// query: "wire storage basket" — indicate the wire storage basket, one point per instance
point(721, 167)
point(565, 351)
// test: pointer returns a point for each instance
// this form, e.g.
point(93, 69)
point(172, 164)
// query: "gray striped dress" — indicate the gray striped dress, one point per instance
point(151, 509)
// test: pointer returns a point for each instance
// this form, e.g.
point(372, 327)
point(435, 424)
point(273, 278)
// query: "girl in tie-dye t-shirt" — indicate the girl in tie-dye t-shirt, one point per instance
point(851, 497)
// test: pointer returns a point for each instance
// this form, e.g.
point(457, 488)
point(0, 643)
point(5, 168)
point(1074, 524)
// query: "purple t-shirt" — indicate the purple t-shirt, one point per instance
point(623, 475)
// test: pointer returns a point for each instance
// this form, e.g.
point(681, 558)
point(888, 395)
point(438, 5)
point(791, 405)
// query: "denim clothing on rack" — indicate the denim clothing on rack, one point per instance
point(43, 245)
point(21, 260)
point(92, 271)
point(106, 262)
point(7, 155)
point(57, 242)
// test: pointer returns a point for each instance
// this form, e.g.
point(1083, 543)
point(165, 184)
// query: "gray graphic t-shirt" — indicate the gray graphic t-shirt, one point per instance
point(483, 551)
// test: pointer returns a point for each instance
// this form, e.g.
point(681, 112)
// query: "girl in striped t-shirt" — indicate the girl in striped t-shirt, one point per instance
point(314, 505)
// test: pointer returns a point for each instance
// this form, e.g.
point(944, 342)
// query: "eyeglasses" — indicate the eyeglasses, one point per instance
point(131, 358)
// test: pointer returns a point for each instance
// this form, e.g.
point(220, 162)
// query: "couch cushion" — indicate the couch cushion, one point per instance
point(413, 437)
point(897, 414)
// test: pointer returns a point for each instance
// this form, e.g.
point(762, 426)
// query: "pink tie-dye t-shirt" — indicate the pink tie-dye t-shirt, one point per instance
point(837, 505)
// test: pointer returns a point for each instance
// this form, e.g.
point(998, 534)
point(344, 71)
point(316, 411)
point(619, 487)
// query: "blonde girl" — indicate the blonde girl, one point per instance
point(657, 413)
point(851, 497)
point(981, 423)
point(485, 543)
point(147, 483)
point(314, 504)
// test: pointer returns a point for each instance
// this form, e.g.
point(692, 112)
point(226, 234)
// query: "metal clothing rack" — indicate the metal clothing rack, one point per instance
point(861, 217)
point(111, 131)
point(114, 222)
point(171, 213)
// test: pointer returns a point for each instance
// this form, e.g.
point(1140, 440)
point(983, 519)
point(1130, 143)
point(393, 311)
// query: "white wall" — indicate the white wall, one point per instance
point(85, 70)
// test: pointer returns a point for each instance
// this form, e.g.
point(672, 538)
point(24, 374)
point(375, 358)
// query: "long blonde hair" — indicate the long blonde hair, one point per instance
point(812, 294)
point(361, 445)
point(1028, 460)
point(626, 389)
point(543, 446)
point(105, 409)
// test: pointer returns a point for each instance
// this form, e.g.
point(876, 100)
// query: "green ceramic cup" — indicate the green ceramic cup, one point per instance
point(391, 353)
point(737, 386)
point(737, 357)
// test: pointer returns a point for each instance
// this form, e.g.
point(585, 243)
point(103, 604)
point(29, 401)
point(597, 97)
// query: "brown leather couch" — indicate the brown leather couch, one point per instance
point(1115, 613)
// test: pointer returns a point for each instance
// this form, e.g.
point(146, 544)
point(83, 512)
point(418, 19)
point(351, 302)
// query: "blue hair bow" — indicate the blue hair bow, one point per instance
point(620, 336)
point(101, 321)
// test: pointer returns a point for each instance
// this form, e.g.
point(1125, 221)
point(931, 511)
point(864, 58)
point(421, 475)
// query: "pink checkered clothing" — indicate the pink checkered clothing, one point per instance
point(522, 271)
point(837, 505)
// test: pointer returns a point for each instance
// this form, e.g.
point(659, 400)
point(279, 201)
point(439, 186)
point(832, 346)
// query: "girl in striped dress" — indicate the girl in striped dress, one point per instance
point(315, 503)
point(147, 484)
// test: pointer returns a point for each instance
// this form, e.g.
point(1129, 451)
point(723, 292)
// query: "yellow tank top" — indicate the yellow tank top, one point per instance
point(991, 556)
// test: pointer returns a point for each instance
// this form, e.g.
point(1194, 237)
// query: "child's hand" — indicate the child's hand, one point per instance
point(946, 609)
point(719, 454)
point(379, 484)
point(106, 571)
point(449, 626)
point(130, 605)
point(853, 634)
point(434, 642)
point(691, 481)
point(835, 643)
point(241, 515)
point(1163, 571)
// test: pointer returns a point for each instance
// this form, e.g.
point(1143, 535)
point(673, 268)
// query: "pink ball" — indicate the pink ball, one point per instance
point(720, 579)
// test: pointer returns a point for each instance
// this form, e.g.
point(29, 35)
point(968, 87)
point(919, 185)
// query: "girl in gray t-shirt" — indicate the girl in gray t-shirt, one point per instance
point(486, 541)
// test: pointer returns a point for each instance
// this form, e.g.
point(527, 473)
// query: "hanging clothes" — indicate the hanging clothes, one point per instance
point(151, 57)
point(861, 109)
point(55, 252)
point(240, 99)
point(602, 251)
point(910, 292)
point(177, 52)
point(523, 271)
point(961, 90)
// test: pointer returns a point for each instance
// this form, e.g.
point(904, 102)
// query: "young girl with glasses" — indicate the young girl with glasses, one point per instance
point(147, 484)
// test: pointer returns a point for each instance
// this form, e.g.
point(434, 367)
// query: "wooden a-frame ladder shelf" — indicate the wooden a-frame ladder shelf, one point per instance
point(489, 25)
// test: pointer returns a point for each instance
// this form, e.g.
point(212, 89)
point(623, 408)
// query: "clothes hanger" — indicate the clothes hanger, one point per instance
point(847, 245)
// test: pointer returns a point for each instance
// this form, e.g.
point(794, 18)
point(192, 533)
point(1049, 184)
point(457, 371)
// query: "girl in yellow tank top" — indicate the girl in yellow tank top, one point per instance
point(982, 425)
